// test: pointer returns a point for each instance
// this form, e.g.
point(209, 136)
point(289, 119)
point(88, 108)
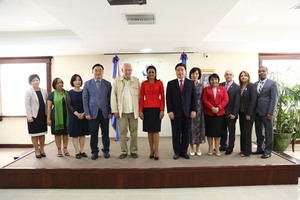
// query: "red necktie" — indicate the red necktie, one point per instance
point(181, 85)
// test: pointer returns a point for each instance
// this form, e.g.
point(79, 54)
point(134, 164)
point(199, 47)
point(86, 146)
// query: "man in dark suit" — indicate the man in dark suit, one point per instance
point(97, 109)
point(267, 94)
point(232, 111)
point(181, 106)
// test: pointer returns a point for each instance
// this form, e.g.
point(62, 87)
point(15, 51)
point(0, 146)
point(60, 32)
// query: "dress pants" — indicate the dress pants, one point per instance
point(246, 133)
point(229, 131)
point(94, 129)
point(264, 138)
point(180, 134)
point(127, 121)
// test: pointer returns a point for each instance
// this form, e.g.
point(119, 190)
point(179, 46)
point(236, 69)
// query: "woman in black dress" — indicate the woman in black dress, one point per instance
point(35, 104)
point(78, 125)
point(57, 116)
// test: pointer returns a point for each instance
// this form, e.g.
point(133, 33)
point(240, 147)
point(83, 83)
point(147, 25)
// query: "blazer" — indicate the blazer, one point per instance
point(118, 93)
point(209, 102)
point(32, 102)
point(152, 95)
point(248, 100)
point(95, 99)
point(181, 103)
point(234, 99)
point(267, 99)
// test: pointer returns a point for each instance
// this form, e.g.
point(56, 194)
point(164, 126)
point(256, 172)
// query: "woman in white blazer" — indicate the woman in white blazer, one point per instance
point(35, 104)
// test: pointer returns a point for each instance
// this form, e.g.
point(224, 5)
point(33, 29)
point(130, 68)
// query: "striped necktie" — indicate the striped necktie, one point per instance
point(261, 85)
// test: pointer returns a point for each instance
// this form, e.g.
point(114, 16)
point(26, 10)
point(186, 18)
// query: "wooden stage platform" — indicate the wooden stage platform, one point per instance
point(204, 171)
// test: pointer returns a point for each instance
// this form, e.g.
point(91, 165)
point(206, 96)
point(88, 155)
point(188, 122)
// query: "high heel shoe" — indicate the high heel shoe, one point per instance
point(38, 156)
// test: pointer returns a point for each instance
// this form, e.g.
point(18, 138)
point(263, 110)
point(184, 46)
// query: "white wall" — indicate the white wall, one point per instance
point(14, 130)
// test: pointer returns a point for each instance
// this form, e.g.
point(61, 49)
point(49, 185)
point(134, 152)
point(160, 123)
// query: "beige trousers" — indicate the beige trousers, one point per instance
point(127, 121)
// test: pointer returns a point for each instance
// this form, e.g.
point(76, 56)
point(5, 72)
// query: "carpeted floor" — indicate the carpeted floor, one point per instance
point(143, 161)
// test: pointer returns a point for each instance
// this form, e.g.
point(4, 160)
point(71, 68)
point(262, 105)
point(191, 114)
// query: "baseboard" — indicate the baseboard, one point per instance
point(16, 145)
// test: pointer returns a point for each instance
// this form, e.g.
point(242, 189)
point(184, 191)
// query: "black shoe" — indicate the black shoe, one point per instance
point(223, 148)
point(228, 152)
point(134, 155)
point(38, 156)
point(258, 152)
point(78, 156)
point(43, 154)
point(175, 157)
point(84, 155)
point(265, 156)
point(94, 156)
point(156, 158)
point(185, 156)
point(122, 156)
point(151, 156)
point(106, 155)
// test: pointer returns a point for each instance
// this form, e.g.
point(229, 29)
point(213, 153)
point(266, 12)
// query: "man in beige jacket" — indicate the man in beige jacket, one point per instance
point(124, 105)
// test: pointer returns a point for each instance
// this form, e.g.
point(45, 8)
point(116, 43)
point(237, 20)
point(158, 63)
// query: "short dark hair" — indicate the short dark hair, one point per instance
point(54, 82)
point(151, 67)
point(214, 75)
point(193, 70)
point(73, 78)
point(33, 76)
point(97, 65)
point(180, 65)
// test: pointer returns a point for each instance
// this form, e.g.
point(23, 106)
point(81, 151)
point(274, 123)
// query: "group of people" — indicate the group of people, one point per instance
point(196, 112)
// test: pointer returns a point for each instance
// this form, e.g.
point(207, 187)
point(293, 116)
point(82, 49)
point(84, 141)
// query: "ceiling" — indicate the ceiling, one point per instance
point(71, 27)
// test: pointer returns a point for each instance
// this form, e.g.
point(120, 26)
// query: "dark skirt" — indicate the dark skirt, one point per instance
point(38, 126)
point(214, 125)
point(151, 122)
point(78, 127)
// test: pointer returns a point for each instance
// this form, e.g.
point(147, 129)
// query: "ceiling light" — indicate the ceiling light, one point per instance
point(252, 19)
point(146, 50)
point(32, 22)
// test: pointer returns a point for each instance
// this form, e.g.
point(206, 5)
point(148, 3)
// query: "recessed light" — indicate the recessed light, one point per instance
point(146, 50)
point(32, 22)
point(252, 19)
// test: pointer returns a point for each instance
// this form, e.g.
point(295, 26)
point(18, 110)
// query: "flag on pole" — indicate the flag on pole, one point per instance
point(116, 72)
point(183, 58)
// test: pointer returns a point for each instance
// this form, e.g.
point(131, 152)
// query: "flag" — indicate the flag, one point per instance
point(116, 72)
point(183, 58)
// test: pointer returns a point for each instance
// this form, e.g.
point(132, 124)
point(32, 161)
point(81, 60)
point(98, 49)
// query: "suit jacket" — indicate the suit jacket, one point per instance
point(95, 99)
point(267, 98)
point(234, 99)
point(118, 93)
point(32, 102)
point(181, 103)
point(248, 100)
point(220, 101)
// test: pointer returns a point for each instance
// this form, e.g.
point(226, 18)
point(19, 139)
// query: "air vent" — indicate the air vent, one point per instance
point(126, 2)
point(140, 19)
point(297, 6)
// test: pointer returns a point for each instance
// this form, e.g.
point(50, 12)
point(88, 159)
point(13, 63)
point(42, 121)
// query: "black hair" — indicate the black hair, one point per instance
point(151, 67)
point(97, 65)
point(214, 75)
point(73, 78)
point(55, 81)
point(33, 76)
point(180, 65)
point(193, 70)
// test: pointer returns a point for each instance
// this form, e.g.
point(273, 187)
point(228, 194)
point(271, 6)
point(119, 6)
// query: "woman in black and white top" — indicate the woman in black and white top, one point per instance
point(35, 104)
